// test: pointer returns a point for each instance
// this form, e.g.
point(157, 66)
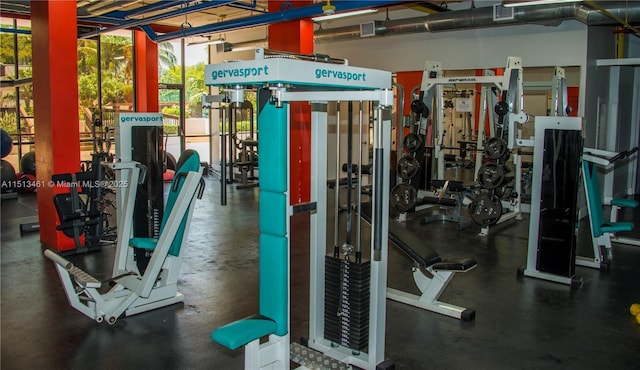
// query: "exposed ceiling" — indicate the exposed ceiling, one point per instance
point(165, 20)
point(170, 19)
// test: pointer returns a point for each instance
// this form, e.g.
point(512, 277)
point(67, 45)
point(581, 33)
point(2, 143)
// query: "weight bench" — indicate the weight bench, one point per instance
point(448, 203)
point(602, 231)
point(131, 292)
point(428, 262)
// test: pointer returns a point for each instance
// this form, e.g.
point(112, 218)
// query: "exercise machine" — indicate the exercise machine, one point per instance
point(499, 191)
point(431, 273)
point(286, 78)
point(82, 210)
point(138, 138)
point(129, 290)
point(553, 224)
point(603, 230)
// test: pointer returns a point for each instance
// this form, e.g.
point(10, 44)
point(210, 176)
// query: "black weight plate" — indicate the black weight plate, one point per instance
point(412, 142)
point(408, 167)
point(496, 148)
point(403, 197)
point(418, 107)
point(501, 108)
point(491, 176)
point(486, 210)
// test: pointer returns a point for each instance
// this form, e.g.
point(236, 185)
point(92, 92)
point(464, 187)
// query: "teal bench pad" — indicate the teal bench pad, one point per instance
point(239, 333)
point(627, 203)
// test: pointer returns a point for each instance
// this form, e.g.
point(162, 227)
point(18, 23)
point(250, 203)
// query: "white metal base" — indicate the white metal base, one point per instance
point(594, 263)
point(574, 282)
point(626, 240)
point(431, 288)
point(270, 355)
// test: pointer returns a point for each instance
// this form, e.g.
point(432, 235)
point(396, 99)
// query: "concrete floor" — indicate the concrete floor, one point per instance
point(520, 324)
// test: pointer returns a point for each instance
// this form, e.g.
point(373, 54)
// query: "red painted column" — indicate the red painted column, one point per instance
point(55, 93)
point(297, 37)
point(146, 61)
point(408, 80)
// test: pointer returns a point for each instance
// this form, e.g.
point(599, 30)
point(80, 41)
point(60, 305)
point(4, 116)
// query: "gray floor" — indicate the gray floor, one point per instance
point(520, 324)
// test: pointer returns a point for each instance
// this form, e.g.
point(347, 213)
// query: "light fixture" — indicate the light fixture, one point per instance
point(512, 4)
point(209, 42)
point(329, 17)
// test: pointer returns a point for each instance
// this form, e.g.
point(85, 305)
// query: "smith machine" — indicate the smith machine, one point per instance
point(347, 291)
point(238, 142)
point(498, 189)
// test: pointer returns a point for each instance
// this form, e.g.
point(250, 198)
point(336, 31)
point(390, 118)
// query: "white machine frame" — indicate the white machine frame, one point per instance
point(133, 292)
point(541, 124)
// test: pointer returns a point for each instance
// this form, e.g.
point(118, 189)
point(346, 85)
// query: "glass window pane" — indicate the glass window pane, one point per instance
point(87, 93)
point(116, 53)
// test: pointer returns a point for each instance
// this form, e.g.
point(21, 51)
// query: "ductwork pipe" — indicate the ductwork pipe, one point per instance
point(551, 15)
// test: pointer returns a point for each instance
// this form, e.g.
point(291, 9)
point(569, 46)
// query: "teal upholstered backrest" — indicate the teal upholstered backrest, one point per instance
point(189, 162)
point(594, 196)
point(274, 242)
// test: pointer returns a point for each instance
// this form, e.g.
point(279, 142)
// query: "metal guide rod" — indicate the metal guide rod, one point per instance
point(323, 58)
point(359, 193)
point(233, 121)
point(349, 168)
point(336, 201)
point(223, 161)
point(378, 185)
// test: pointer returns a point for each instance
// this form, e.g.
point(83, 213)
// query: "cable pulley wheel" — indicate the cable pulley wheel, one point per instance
point(412, 142)
point(486, 210)
point(403, 197)
point(491, 176)
point(408, 167)
point(496, 148)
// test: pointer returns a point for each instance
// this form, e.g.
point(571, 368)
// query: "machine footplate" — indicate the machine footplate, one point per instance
point(313, 359)
point(84, 278)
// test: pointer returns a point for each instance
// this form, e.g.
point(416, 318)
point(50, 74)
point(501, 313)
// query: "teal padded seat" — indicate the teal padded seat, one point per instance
point(189, 162)
point(273, 316)
point(600, 226)
point(241, 332)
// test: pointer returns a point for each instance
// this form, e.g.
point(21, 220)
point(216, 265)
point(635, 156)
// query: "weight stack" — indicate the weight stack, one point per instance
point(346, 297)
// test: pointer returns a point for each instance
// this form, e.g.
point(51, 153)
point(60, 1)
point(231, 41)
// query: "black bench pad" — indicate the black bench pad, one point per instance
point(460, 264)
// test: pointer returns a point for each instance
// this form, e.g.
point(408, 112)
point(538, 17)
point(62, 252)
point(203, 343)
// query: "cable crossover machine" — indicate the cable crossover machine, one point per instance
point(347, 285)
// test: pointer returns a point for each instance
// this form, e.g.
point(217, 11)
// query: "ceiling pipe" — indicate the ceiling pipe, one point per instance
point(102, 7)
point(473, 18)
point(268, 18)
point(154, 18)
